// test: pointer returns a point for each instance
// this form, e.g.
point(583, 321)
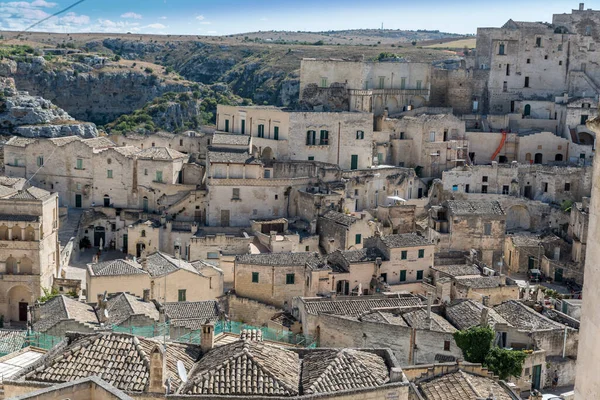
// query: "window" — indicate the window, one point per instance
point(380, 159)
point(484, 179)
point(567, 187)
point(289, 279)
point(401, 135)
point(267, 174)
point(505, 86)
point(180, 143)
point(454, 188)
point(483, 188)
point(255, 277)
point(403, 254)
point(143, 233)
point(507, 69)
point(212, 255)
point(487, 229)
point(526, 82)
point(145, 171)
point(545, 184)
point(358, 239)
point(243, 126)
point(529, 61)
point(588, 30)
point(420, 275)
point(226, 125)
point(467, 187)
point(159, 176)
point(538, 42)
point(275, 133)
point(421, 253)
point(307, 248)
point(560, 47)
point(505, 189)
point(40, 161)
point(16, 163)
point(501, 49)
point(360, 135)
point(311, 158)
point(181, 295)
point(403, 83)
point(323, 82)
point(261, 131)
point(446, 345)
point(109, 174)
point(402, 275)
point(311, 138)
point(235, 195)
point(324, 138)
point(432, 136)
point(381, 82)
point(354, 161)
point(79, 164)
point(78, 186)
point(419, 85)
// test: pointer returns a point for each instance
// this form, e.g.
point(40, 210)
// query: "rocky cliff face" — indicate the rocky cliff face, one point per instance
point(33, 116)
point(89, 94)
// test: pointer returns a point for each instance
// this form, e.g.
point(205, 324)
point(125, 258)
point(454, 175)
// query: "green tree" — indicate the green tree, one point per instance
point(475, 343)
point(49, 294)
point(505, 363)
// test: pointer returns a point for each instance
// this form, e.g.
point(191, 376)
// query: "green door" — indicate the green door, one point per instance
point(403, 275)
point(558, 275)
point(243, 126)
point(536, 377)
point(354, 161)
point(125, 239)
point(78, 201)
point(531, 263)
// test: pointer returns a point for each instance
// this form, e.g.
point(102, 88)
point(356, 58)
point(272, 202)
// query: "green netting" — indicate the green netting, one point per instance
point(41, 340)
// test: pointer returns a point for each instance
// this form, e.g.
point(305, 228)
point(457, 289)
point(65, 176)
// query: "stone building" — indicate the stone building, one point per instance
point(30, 253)
point(344, 232)
point(578, 229)
point(466, 225)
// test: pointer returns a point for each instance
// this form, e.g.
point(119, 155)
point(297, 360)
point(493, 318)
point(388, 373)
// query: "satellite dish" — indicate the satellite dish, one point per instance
point(105, 313)
point(182, 372)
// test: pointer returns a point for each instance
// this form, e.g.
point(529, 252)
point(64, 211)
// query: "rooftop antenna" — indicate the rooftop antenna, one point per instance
point(181, 371)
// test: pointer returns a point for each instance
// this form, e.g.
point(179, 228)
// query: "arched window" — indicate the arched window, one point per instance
point(29, 233)
point(558, 157)
point(527, 110)
point(17, 233)
point(3, 232)
point(106, 200)
point(11, 265)
point(143, 234)
point(528, 157)
point(26, 266)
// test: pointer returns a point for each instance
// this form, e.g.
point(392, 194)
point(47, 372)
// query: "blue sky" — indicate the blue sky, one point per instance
point(201, 17)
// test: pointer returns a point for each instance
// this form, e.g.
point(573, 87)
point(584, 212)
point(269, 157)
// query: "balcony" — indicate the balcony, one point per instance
point(389, 92)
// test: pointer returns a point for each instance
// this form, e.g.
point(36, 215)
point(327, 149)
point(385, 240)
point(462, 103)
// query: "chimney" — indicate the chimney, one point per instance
point(483, 321)
point(581, 6)
point(146, 296)
point(208, 336)
point(144, 262)
point(486, 301)
point(101, 307)
point(157, 370)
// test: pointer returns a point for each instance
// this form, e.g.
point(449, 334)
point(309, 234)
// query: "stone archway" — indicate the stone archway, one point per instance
point(392, 105)
point(418, 101)
point(378, 106)
point(518, 217)
point(17, 232)
point(267, 155)
point(19, 297)
point(26, 266)
point(3, 232)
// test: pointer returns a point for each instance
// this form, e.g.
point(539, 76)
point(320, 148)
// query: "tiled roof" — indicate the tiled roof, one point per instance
point(383, 317)
point(192, 314)
point(245, 368)
point(160, 153)
point(467, 313)
point(31, 193)
point(329, 370)
point(525, 318)
point(340, 218)
point(18, 141)
point(459, 207)
point(340, 260)
point(418, 319)
point(11, 341)
point(127, 150)
point(61, 141)
point(220, 138)
point(12, 182)
point(277, 259)
point(216, 155)
point(160, 264)
point(63, 308)
point(526, 239)
point(358, 305)
point(6, 192)
point(17, 217)
point(458, 270)
point(116, 267)
point(98, 142)
point(123, 305)
point(405, 240)
point(118, 358)
point(480, 282)
point(462, 386)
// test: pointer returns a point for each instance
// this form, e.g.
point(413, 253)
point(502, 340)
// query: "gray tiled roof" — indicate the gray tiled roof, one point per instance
point(98, 142)
point(116, 267)
point(11, 340)
point(480, 282)
point(460, 207)
point(31, 193)
point(527, 239)
point(383, 317)
point(123, 305)
point(525, 318)
point(220, 138)
point(461, 386)
point(160, 153)
point(458, 270)
point(63, 308)
point(118, 358)
point(467, 313)
point(216, 155)
point(61, 141)
point(245, 368)
point(192, 314)
point(340, 260)
point(340, 218)
point(160, 264)
point(329, 371)
point(18, 141)
point(405, 240)
point(358, 305)
point(418, 319)
point(277, 259)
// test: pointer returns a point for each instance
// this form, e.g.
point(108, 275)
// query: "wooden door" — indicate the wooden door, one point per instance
point(224, 218)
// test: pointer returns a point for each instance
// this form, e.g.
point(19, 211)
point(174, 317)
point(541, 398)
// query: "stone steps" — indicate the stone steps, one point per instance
point(68, 228)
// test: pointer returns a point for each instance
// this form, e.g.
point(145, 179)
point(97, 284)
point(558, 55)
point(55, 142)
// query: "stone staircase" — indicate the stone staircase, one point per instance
point(68, 227)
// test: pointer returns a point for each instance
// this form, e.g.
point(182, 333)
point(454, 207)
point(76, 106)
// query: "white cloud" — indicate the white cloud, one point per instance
point(42, 3)
point(200, 17)
point(155, 26)
point(163, 17)
point(131, 15)
point(205, 23)
point(74, 19)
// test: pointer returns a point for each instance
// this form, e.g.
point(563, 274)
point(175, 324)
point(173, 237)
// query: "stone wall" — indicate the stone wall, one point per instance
point(249, 311)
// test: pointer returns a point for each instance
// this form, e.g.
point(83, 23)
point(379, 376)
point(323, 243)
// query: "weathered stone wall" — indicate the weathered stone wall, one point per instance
point(250, 311)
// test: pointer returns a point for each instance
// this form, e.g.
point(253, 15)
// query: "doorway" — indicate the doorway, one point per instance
point(536, 377)
point(99, 235)
point(538, 158)
point(558, 275)
point(125, 240)
point(23, 311)
point(139, 249)
point(145, 204)
point(78, 201)
point(527, 192)
point(224, 218)
point(343, 288)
